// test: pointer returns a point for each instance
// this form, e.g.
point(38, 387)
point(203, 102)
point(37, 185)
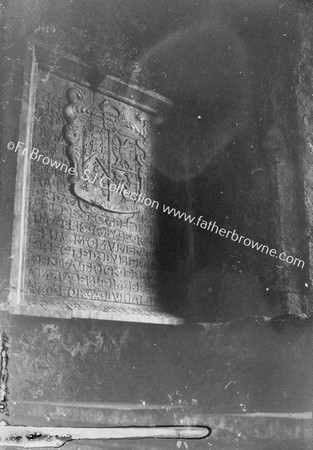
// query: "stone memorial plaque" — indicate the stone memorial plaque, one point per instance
point(86, 209)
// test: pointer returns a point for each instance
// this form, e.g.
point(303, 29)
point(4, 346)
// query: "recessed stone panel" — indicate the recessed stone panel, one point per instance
point(88, 233)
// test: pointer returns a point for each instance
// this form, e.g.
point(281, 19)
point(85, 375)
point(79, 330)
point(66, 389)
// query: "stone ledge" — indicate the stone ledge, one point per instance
point(255, 431)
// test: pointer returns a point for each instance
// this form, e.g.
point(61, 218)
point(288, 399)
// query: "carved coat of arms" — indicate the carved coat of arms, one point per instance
point(108, 144)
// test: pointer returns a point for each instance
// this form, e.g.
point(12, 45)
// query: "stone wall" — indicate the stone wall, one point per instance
point(247, 179)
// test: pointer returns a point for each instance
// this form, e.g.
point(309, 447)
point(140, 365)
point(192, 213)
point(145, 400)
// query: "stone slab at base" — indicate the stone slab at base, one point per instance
point(255, 431)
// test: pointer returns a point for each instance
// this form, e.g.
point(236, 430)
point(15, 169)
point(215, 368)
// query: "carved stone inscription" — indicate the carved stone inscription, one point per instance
point(91, 249)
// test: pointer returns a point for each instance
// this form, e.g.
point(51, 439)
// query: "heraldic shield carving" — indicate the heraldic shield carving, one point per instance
point(108, 144)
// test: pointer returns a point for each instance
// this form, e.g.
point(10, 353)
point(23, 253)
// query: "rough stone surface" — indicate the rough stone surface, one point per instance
point(250, 184)
point(240, 367)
